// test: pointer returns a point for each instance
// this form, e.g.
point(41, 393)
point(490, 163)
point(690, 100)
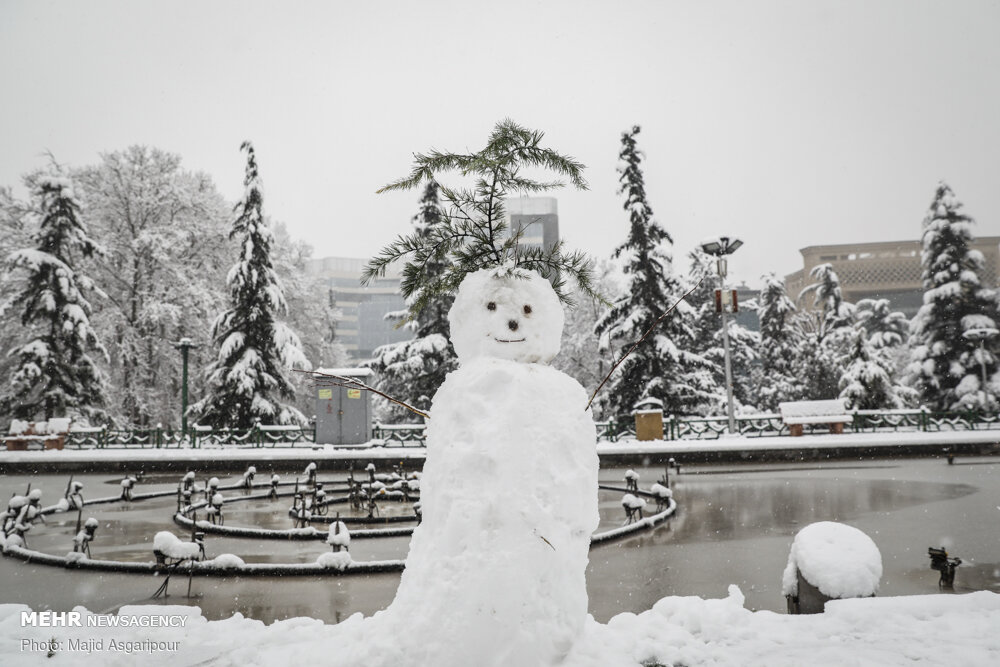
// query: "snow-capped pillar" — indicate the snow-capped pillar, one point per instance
point(830, 561)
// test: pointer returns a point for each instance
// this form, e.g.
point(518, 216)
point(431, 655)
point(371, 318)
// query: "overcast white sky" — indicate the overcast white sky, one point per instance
point(785, 123)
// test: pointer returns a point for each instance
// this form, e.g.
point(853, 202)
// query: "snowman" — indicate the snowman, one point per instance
point(495, 571)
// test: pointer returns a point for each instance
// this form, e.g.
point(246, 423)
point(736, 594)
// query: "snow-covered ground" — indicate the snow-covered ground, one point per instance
point(938, 630)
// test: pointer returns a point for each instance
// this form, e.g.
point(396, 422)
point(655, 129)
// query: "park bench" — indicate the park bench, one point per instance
point(47, 435)
point(797, 414)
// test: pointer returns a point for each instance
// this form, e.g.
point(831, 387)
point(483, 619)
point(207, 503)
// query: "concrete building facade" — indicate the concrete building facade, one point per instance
point(362, 326)
point(538, 217)
point(884, 270)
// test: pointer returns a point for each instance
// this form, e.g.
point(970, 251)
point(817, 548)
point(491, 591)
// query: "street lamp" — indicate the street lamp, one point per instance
point(981, 334)
point(720, 248)
point(184, 345)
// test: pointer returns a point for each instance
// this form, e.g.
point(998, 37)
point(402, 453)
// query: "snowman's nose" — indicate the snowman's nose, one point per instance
point(512, 325)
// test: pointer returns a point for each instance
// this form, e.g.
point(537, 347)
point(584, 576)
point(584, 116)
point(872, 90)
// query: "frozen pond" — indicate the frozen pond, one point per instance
point(735, 525)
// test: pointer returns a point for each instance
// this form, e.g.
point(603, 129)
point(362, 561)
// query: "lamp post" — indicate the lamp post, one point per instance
point(981, 334)
point(720, 248)
point(184, 345)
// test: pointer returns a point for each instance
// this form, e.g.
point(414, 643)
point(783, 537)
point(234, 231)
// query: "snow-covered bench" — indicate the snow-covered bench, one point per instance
point(797, 414)
point(47, 435)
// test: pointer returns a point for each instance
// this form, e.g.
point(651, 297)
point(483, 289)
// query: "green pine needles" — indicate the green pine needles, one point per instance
point(474, 233)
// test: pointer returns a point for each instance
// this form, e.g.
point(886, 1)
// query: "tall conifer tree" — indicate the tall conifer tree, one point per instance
point(780, 339)
point(947, 360)
point(248, 378)
point(663, 366)
point(55, 376)
point(413, 370)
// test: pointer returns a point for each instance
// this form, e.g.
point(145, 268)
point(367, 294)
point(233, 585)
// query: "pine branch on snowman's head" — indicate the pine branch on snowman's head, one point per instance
point(471, 230)
point(506, 312)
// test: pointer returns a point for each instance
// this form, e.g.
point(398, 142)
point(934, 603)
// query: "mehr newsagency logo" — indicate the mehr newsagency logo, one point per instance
point(74, 619)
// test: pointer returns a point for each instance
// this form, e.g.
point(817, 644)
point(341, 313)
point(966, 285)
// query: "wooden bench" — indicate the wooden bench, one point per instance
point(797, 414)
point(47, 435)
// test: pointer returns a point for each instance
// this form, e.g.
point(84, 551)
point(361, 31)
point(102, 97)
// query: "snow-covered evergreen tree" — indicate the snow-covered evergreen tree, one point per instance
point(780, 338)
point(947, 361)
point(248, 379)
point(832, 311)
point(664, 365)
point(412, 370)
point(55, 375)
point(885, 327)
point(708, 340)
point(825, 335)
point(866, 382)
point(580, 355)
point(14, 235)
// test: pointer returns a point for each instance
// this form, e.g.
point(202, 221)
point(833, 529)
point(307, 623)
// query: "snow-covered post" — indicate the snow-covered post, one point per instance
point(127, 485)
point(632, 480)
point(248, 478)
point(82, 540)
point(830, 561)
point(211, 489)
point(185, 345)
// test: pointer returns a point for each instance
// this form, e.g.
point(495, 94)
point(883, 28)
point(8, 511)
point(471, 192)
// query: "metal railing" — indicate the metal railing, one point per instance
point(406, 435)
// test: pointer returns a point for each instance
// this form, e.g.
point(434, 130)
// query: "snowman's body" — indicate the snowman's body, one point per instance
point(495, 573)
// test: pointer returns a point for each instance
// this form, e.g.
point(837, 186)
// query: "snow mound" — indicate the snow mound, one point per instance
point(839, 560)
point(334, 561)
point(632, 502)
point(661, 491)
point(172, 547)
point(226, 562)
point(341, 538)
point(865, 632)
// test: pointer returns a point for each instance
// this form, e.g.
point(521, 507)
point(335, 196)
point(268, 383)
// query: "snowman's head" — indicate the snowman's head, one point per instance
point(507, 314)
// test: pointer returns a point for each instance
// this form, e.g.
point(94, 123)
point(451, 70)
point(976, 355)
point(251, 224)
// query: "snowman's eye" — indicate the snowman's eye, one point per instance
point(491, 305)
point(527, 309)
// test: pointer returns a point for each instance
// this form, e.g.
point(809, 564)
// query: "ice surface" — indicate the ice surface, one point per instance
point(839, 560)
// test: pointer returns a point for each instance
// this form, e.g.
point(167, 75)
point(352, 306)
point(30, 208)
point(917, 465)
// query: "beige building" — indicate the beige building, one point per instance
point(884, 270)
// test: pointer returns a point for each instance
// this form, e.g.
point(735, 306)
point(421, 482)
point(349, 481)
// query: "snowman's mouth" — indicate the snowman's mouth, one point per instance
point(502, 340)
